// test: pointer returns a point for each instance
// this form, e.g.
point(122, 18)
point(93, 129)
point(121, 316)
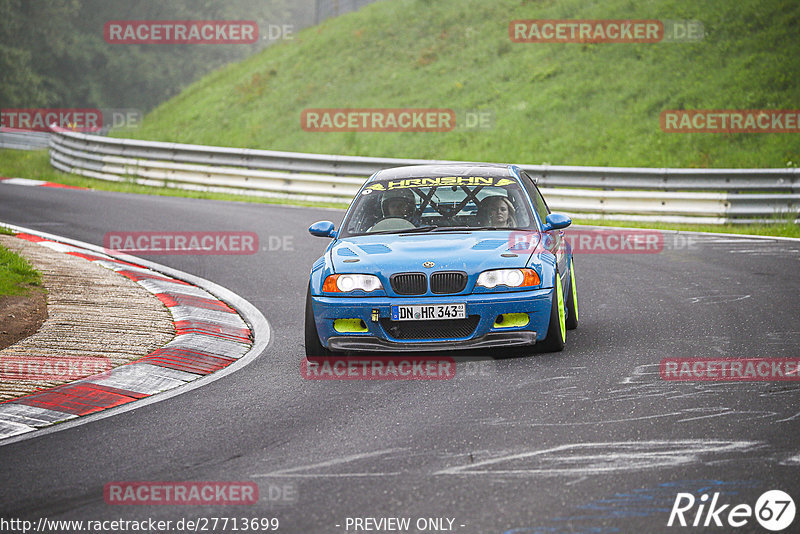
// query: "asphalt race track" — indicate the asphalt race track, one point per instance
point(588, 440)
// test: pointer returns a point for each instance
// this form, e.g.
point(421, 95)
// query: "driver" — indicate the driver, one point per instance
point(398, 203)
point(398, 207)
point(496, 211)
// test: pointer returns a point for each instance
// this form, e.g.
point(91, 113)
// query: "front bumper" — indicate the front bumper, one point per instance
point(371, 343)
point(487, 306)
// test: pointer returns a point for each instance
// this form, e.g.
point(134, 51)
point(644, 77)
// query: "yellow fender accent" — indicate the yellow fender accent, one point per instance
point(561, 315)
point(572, 287)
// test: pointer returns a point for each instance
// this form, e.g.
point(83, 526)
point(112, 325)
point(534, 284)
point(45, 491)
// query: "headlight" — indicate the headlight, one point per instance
point(344, 283)
point(508, 277)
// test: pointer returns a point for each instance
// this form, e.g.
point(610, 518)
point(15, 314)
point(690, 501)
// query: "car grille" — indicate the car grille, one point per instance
point(448, 282)
point(409, 283)
point(448, 328)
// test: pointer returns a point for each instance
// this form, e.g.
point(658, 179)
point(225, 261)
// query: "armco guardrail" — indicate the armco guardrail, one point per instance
point(667, 195)
point(24, 140)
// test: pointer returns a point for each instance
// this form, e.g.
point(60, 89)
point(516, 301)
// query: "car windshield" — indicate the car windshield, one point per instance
point(439, 204)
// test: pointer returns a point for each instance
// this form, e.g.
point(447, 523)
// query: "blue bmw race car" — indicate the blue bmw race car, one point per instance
point(442, 257)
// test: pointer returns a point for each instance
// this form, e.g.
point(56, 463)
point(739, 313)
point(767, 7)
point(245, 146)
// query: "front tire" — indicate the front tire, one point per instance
point(312, 342)
point(557, 329)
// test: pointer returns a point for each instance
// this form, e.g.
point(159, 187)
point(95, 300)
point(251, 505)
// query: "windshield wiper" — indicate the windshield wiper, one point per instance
point(457, 228)
point(470, 228)
point(405, 231)
point(417, 230)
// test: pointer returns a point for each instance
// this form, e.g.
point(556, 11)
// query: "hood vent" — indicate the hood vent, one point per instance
point(375, 249)
point(489, 244)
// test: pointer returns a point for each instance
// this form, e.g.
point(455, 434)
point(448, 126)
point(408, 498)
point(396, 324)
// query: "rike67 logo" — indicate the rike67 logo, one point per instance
point(774, 510)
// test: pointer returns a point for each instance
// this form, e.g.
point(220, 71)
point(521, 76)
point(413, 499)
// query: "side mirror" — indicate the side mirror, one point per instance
point(556, 221)
point(322, 229)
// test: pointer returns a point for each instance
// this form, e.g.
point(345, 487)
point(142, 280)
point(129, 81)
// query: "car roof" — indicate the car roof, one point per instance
point(450, 169)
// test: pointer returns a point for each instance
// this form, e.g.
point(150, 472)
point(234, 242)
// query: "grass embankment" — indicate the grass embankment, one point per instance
point(563, 104)
point(17, 276)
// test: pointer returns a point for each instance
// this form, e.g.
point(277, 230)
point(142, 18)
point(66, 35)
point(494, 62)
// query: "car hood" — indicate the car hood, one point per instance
point(457, 251)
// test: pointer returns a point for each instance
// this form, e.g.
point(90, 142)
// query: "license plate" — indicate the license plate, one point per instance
point(429, 312)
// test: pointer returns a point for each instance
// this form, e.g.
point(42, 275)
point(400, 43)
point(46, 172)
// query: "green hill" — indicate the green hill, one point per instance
point(563, 104)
